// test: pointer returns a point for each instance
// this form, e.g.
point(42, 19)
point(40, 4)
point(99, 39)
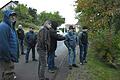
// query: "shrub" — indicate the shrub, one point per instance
point(106, 45)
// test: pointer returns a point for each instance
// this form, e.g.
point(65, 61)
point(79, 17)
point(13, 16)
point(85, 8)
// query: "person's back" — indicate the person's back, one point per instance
point(42, 39)
point(43, 46)
point(54, 37)
point(83, 38)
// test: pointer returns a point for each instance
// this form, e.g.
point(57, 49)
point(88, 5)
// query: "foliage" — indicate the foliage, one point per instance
point(1, 15)
point(97, 13)
point(99, 70)
point(29, 17)
point(107, 50)
point(43, 16)
point(102, 18)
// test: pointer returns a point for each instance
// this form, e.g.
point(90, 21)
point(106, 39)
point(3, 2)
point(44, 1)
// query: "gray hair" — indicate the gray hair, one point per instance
point(20, 26)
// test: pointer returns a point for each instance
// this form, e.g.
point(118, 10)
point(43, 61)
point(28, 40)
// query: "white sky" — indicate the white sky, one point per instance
point(65, 7)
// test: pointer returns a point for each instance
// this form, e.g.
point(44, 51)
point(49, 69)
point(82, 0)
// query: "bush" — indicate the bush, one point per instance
point(107, 45)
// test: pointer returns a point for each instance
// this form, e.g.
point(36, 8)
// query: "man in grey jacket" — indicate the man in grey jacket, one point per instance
point(43, 47)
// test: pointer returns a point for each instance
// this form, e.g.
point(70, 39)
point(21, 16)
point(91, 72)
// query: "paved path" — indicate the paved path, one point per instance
point(28, 71)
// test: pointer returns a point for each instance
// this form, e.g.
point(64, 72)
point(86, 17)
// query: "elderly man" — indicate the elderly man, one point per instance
point(43, 47)
point(21, 37)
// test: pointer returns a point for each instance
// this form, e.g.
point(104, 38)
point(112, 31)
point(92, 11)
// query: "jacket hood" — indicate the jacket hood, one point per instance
point(7, 14)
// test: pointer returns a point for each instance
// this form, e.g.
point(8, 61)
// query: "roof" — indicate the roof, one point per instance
point(15, 2)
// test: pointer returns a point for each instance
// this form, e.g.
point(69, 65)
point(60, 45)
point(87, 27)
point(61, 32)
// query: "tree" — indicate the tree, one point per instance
point(97, 13)
point(43, 16)
point(1, 16)
point(100, 15)
point(33, 13)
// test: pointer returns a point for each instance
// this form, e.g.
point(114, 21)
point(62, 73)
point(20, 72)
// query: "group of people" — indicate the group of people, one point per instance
point(45, 42)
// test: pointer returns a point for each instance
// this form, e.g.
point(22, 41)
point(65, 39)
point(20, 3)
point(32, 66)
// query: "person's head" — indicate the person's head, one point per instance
point(84, 29)
point(31, 29)
point(13, 17)
point(54, 25)
point(9, 17)
point(47, 24)
point(20, 26)
point(71, 28)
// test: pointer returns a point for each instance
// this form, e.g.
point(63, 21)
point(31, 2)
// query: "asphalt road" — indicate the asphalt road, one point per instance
point(28, 71)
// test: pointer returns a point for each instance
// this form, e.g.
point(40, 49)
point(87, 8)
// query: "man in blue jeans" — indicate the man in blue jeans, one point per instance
point(54, 37)
point(83, 45)
point(71, 42)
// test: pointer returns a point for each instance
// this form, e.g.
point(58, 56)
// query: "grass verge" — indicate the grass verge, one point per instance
point(94, 70)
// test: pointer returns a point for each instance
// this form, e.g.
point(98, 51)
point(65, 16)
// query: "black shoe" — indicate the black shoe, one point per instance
point(55, 55)
point(70, 67)
point(26, 61)
point(85, 61)
point(22, 53)
point(46, 78)
point(35, 60)
point(55, 68)
point(74, 65)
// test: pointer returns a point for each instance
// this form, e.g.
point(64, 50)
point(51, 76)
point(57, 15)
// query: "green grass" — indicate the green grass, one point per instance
point(97, 70)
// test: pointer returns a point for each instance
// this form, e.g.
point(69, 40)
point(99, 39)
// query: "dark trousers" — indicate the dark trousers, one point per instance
point(50, 60)
point(28, 51)
point(83, 52)
point(21, 43)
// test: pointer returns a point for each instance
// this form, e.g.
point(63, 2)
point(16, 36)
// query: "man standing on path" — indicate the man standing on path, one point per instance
point(21, 36)
point(71, 42)
point(54, 37)
point(31, 40)
point(43, 47)
point(83, 45)
point(9, 48)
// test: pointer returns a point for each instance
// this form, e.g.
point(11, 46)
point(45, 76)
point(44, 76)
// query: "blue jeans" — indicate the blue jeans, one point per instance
point(28, 51)
point(71, 56)
point(50, 60)
point(83, 52)
point(21, 43)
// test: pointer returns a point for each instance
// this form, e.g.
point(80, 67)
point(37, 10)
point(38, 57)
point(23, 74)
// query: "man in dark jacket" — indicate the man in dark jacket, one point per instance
point(54, 37)
point(21, 36)
point(8, 46)
point(83, 45)
point(43, 46)
point(31, 39)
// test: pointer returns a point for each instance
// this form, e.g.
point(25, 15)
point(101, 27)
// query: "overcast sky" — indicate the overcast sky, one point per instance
point(65, 7)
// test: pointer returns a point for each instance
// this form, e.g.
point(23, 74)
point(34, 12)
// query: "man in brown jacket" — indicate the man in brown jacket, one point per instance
point(43, 48)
